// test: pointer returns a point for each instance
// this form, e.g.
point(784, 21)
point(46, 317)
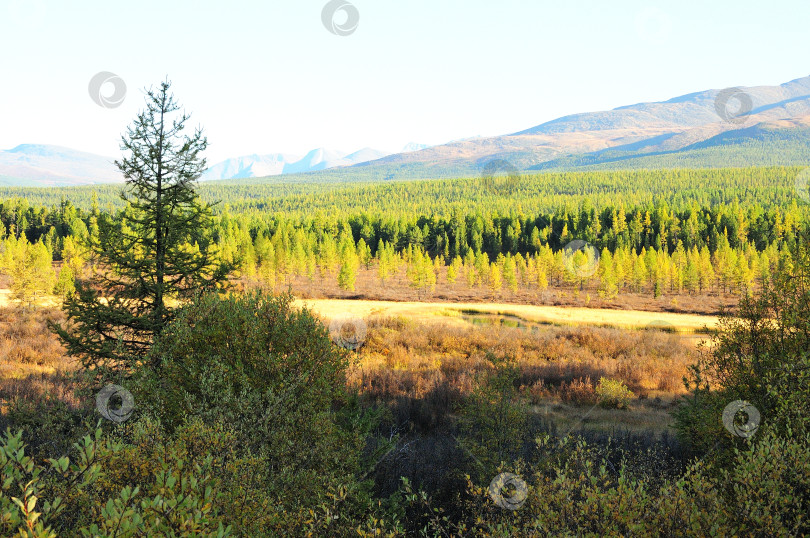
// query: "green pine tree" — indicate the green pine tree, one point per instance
point(29, 267)
point(349, 264)
point(155, 253)
point(510, 273)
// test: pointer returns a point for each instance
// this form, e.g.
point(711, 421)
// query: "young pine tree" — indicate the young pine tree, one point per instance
point(421, 273)
point(510, 273)
point(349, 264)
point(65, 283)
point(495, 279)
point(30, 269)
point(157, 251)
point(453, 270)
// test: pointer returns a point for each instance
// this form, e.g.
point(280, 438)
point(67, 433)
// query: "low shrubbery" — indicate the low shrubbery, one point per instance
point(245, 427)
point(613, 393)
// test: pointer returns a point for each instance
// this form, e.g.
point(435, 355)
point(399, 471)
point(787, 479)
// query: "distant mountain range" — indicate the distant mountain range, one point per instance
point(693, 130)
point(281, 163)
point(45, 165)
point(684, 131)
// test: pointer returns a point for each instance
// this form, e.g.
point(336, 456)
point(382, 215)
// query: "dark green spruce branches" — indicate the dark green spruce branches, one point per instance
point(153, 254)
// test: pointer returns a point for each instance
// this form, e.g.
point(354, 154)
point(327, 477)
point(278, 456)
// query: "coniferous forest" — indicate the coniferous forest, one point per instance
point(676, 239)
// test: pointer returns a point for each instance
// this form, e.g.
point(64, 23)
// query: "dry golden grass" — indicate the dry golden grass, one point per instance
point(648, 361)
point(33, 364)
point(433, 353)
point(47, 301)
point(556, 315)
point(439, 361)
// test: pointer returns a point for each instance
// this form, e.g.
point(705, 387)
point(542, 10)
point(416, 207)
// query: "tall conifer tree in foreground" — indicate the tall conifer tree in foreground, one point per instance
point(158, 250)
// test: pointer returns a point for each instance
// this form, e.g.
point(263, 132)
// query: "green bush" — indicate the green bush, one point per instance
point(270, 376)
point(27, 509)
point(577, 493)
point(612, 393)
point(140, 481)
point(220, 351)
point(493, 419)
point(760, 354)
point(93, 495)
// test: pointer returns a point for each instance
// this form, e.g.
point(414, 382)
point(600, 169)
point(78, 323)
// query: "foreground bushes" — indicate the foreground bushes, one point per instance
point(270, 378)
point(244, 428)
point(761, 355)
point(763, 494)
point(194, 483)
point(243, 422)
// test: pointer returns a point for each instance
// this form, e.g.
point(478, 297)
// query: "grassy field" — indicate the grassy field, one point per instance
point(433, 353)
point(438, 361)
point(46, 301)
point(464, 313)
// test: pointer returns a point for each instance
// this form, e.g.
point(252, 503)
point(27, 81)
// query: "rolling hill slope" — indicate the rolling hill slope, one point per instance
point(701, 129)
point(689, 123)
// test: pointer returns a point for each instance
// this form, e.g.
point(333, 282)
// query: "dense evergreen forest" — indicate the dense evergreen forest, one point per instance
point(356, 192)
point(648, 231)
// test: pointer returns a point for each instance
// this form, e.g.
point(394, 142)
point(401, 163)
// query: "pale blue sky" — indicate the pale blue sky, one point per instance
point(267, 76)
